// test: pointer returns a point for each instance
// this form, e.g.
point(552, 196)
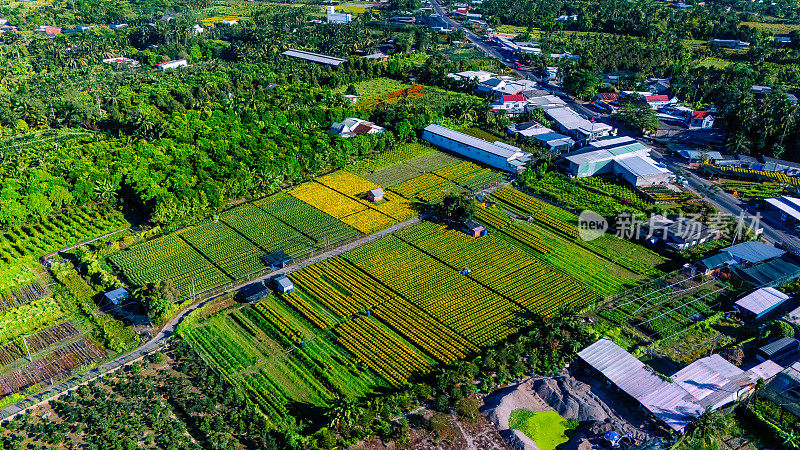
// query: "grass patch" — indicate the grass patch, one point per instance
point(774, 28)
point(546, 428)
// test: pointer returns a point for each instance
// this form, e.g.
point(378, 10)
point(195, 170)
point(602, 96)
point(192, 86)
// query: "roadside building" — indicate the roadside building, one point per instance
point(547, 138)
point(700, 120)
point(583, 131)
point(778, 165)
point(609, 100)
point(353, 126)
point(377, 57)
point(659, 101)
point(49, 31)
point(495, 154)
point(284, 285)
point(315, 58)
point(788, 207)
point(658, 85)
point(115, 297)
point(174, 64)
point(622, 156)
point(510, 104)
point(780, 349)
point(545, 102)
point(375, 195)
point(760, 303)
point(700, 156)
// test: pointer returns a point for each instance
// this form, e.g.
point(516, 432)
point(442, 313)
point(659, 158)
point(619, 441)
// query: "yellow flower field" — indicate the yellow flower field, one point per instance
point(347, 183)
point(368, 221)
point(395, 207)
point(326, 199)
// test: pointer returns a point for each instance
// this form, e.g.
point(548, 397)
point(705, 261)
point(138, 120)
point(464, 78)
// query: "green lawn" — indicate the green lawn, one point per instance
point(546, 428)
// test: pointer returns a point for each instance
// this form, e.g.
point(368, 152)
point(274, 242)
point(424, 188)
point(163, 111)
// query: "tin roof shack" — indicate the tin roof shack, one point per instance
point(669, 402)
point(375, 195)
point(770, 273)
point(760, 303)
point(115, 297)
point(708, 383)
point(474, 228)
point(783, 348)
point(753, 252)
point(284, 285)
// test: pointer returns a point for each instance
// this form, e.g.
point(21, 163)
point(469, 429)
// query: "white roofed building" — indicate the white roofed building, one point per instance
point(759, 303)
point(495, 154)
point(334, 17)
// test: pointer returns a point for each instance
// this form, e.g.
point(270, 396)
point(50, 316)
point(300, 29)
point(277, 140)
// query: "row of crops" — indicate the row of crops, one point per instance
point(664, 307)
point(56, 232)
point(21, 295)
point(52, 367)
point(39, 341)
point(605, 197)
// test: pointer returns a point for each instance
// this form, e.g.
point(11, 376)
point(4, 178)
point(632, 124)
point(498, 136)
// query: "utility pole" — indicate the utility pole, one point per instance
point(27, 350)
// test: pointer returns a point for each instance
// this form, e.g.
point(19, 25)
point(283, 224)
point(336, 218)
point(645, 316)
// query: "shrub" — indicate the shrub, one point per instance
point(468, 409)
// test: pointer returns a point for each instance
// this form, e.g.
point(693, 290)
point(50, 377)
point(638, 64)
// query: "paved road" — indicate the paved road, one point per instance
point(727, 203)
point(169, 329)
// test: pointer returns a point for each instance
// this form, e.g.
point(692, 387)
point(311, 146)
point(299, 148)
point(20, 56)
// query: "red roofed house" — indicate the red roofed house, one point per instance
point(699, 120)
point(511, 104)
point(658, 101)
point(50, 31)
point(353, 126)
point(608, 99)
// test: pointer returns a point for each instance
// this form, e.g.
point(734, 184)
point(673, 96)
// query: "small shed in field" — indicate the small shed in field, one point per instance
point(284, 285)
point(474, 228)
point(115, 297)
point(375, 195)
point(759, 303)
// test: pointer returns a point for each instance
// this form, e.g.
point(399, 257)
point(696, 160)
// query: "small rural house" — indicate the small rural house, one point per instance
point(353, 126)
point(375, 195)
point(474, 228)
point(779, 349)
point(284, 285)
point(115, 297)
point(760, 303)
point(699, 120)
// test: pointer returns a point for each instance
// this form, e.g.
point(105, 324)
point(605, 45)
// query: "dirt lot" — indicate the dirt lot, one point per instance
point(572, 395)
point(458, 435)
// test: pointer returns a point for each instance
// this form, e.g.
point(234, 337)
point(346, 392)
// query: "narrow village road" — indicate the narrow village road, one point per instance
point(169, 328)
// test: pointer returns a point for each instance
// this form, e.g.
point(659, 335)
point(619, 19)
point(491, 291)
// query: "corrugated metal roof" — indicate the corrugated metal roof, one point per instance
point(710, 380)
point(639, 166)
point(764, 371)
point(793, 316)
point(595, 156)
point(765, 273)
point(314, 57)
point(718, 260)
point(668, 401)
point(284, 282)
point(779, 346)
point(784, 206)
point(753, 251)
point(612, 142)
point(761, 300)
point(505, 151)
